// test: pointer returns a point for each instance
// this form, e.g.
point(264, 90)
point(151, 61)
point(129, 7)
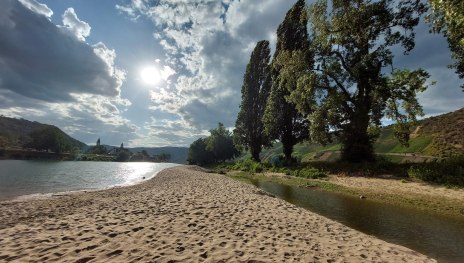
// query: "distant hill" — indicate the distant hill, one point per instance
point(18, 133)
point(438, 136)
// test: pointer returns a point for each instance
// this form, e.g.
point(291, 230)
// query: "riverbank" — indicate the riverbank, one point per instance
point(396, 191)
point(182, 214)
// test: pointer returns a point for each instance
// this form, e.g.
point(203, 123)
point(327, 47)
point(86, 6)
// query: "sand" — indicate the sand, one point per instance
point(182, 214)
point(388, 186)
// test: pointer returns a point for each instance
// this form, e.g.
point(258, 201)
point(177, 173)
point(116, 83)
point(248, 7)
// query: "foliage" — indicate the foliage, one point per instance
point(348, 91)
point(281, 119)
point(140, 157)
point(448, 172)
point(198, 154)
point(447, 16)
point(380, 167)
point(123, 156)
point(255, 90)
point(248, 165)
point(162, 157)
point(310, 173)
point(49, 138)
point(16, 133)
point(220, 143)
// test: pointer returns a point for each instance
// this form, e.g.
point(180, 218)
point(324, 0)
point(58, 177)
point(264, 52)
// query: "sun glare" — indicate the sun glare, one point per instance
point(150, 75)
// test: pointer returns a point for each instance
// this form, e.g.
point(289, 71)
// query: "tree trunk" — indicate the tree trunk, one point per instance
point(357, 144)
point(255, 153)
point(288, 149)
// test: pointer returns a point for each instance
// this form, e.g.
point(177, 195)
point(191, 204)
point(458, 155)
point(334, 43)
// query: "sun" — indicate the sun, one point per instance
point(150, 75)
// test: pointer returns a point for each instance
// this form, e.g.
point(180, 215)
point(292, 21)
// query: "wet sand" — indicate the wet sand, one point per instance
point(183, 214)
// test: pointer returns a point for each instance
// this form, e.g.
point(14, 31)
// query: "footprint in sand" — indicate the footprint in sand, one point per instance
point(114, 253)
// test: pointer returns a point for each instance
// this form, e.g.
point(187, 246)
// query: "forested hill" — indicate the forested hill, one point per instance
point(439, 136)
point(21, 133)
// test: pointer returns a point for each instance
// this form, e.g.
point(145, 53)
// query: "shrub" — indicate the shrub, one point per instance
point(447, 172)
point(248, 165)
point(310, 173)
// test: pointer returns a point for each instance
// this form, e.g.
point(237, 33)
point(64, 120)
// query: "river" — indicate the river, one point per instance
point(22, 178)
point(438, 236)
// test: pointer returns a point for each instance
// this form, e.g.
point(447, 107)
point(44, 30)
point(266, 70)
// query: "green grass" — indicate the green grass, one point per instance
point(416, 145)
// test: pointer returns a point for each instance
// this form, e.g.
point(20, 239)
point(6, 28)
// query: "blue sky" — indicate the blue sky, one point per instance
point(78, 64)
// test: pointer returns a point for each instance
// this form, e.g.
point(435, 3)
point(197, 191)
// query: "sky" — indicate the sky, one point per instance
point(155, 73)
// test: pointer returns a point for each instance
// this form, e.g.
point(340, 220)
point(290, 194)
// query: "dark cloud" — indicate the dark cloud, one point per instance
point(42, 61)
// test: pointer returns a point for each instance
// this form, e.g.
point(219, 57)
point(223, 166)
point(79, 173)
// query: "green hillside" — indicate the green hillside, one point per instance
point(21, 133)
point(435, 137)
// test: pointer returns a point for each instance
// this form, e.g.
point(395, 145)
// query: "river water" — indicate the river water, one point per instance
point(21, 178)
point(440, 237)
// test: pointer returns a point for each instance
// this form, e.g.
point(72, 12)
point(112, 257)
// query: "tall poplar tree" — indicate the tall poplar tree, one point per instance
point(282, 121)
point(353, 84)
point(447, 16)
point(249, 131)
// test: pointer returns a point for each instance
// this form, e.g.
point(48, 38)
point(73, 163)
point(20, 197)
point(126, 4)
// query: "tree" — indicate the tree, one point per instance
point(350, 89)
point(447, 16)
point(281, 119)
point(198, 154)
point(221, 144)
point(123, 156)
point(249, 129)
point(49, 138)
point(162, 157)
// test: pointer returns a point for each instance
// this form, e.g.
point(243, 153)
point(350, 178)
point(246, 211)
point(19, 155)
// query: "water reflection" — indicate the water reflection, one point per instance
point(440, 237)
point(19, 178)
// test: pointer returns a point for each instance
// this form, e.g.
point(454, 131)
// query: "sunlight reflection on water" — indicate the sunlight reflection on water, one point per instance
point(18, 178)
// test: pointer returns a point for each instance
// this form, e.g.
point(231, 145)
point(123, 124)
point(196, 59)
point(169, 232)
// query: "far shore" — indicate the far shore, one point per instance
point(182, 215)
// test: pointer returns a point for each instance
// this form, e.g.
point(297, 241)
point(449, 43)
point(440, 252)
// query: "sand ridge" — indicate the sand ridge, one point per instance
point(186, 215)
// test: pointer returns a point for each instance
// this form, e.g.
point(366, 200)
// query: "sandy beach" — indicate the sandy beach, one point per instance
point(182, 214)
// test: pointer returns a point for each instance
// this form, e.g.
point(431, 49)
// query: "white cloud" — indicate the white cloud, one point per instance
point(42, 61)
point(77, 27)
point(209, 43)
point(48, 73)
point(37, 7)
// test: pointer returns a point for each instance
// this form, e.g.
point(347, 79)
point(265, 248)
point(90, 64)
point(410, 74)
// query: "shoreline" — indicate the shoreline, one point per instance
point(76, 189)
point(399, 192)
point(182, 214)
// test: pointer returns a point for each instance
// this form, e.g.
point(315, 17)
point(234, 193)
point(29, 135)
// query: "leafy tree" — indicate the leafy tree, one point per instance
point(350, 89)
point(249, 130)
point(281, 119)
point(163, 157)
point(198, 154)
point(221, 144)
point(447, 16)
point(123, 156)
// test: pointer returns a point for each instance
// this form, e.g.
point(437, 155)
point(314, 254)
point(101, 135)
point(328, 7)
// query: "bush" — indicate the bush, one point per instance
point(310, 173)
point(249, 165)
point(447, 172)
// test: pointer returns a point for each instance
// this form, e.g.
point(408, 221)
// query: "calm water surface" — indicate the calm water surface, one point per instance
point(440, 237)
point(19, 178)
